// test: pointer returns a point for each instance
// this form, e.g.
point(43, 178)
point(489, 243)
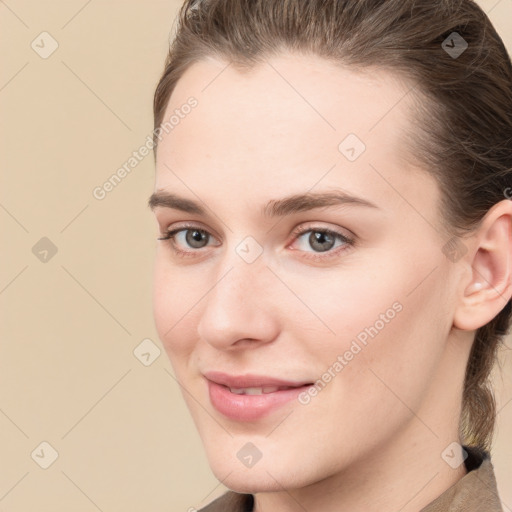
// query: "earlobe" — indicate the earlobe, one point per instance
point(490, 287)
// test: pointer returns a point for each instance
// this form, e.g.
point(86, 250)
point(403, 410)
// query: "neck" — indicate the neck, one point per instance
point(404, 477)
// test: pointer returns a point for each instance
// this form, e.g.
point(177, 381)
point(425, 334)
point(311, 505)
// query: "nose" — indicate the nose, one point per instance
point(240, 310)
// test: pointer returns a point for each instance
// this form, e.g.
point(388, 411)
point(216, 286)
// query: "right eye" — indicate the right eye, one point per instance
point(188, 237)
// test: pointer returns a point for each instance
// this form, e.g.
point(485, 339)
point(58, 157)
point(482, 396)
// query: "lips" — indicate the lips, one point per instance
point(250, 397)
point(252, 381)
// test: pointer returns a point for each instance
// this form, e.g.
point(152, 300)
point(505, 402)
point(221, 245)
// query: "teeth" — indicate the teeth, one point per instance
point(256, 391)
point(253, 391)
point(237, 391)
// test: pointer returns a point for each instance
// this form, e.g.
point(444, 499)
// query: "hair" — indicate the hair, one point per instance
point(463, 107)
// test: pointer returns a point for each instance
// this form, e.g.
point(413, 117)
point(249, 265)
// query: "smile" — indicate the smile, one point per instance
point(250, 402)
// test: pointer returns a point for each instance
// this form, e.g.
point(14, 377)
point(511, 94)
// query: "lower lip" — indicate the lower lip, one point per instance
point(249, 407)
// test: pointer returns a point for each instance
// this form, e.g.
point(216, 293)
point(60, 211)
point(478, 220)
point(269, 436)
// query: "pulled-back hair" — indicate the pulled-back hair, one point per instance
point(463, 106)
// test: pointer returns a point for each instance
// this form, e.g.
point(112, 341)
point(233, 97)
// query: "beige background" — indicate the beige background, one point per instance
point(68, 373)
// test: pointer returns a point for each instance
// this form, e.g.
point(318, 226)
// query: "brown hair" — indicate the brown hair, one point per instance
point(463, 120)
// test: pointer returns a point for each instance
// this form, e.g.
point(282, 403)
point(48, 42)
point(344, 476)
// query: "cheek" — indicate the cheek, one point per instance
point(343, 303)
point(392, 321)
point(399, 337)
point(175, 300)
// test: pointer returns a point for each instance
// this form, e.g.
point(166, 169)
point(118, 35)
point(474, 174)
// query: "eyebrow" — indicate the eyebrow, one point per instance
point(274, 208)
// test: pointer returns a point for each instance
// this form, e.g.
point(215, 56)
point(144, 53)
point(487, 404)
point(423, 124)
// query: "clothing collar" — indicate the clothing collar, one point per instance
point(474, 492)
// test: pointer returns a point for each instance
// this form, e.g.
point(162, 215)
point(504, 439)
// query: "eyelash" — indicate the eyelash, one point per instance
point(348, 242)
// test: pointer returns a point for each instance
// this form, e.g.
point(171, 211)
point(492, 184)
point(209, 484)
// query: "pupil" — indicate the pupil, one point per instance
point(318, 239)
point(196, 238)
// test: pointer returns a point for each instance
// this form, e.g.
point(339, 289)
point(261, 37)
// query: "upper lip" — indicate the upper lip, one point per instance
point(250, 380)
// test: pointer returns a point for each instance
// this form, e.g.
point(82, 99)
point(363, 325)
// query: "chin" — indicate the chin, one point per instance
point(248, 482)
point(269, 474)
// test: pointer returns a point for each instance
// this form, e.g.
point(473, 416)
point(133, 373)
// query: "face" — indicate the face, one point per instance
point(344, 301)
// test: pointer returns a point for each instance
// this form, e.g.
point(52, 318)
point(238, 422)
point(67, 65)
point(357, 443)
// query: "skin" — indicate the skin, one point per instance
point(372, 439)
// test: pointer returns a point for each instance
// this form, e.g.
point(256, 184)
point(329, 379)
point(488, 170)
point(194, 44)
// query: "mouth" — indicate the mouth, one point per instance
point(250, 397)
point(259, 391)
point(253, 381)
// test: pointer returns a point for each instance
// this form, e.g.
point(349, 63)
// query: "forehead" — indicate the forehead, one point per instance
point(283, 124)
point(303, 94)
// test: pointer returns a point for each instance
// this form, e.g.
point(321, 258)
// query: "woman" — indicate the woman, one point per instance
point(333, 277)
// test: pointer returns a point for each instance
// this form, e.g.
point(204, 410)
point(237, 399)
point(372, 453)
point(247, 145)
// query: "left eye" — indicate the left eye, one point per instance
point(321, 240)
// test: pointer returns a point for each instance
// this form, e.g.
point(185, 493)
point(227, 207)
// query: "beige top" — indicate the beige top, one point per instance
point(475, 492)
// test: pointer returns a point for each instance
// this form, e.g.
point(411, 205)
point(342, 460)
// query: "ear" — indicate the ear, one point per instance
point(489, 286)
